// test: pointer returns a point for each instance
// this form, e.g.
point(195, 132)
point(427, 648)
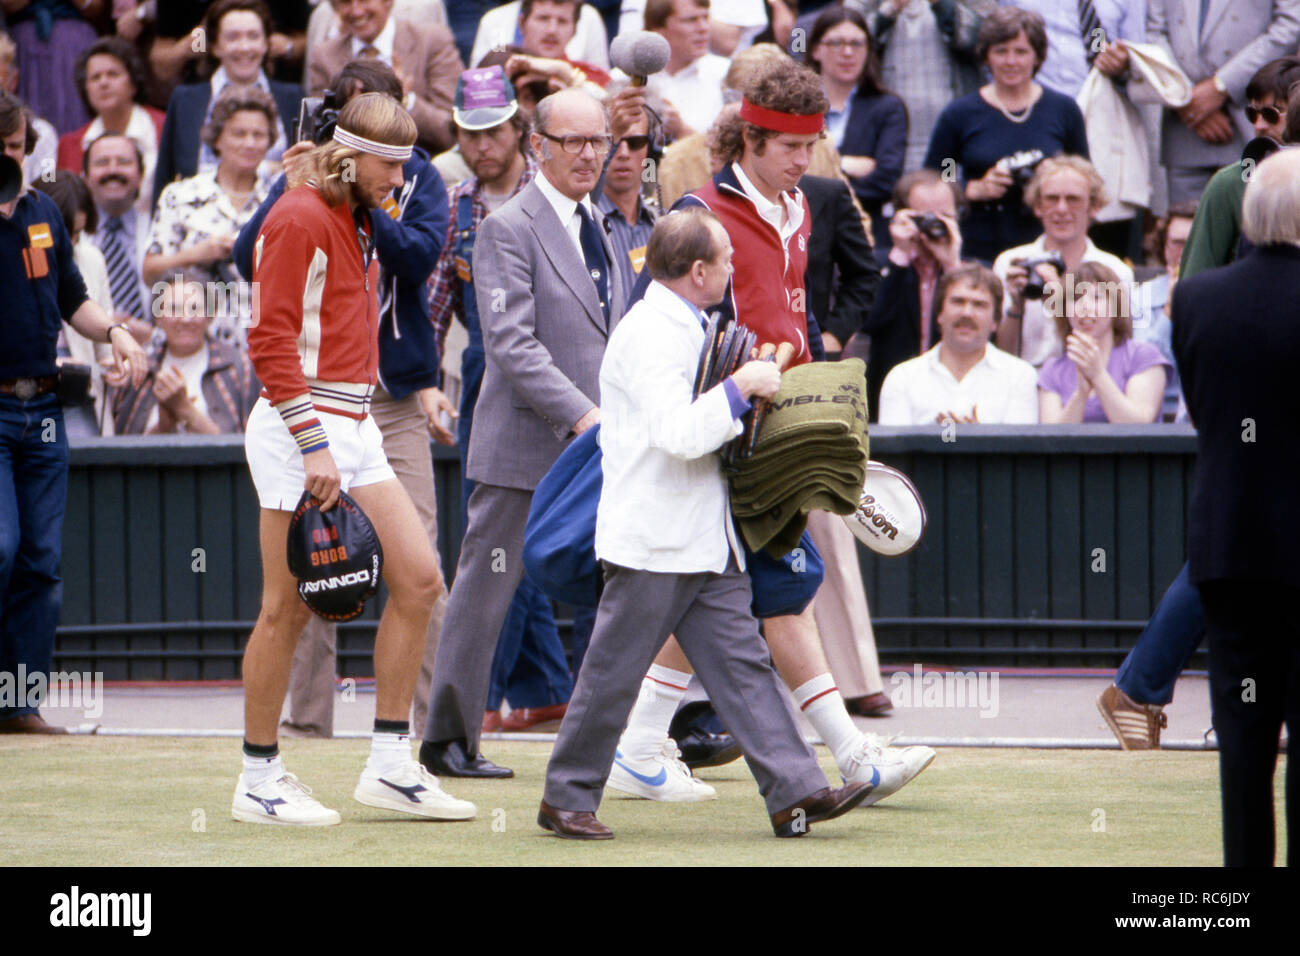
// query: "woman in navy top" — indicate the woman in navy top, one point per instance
point(980, 134)
point(867, 123)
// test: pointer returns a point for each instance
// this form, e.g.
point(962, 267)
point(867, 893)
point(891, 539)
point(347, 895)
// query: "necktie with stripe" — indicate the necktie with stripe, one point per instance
point(123, 277)
point(1094, 35)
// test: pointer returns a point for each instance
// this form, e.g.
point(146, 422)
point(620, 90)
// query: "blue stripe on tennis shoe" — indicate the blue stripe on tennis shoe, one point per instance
point(658, 780)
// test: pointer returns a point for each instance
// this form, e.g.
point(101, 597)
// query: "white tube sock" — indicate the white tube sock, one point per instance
point(820, 701)
point(661, 691)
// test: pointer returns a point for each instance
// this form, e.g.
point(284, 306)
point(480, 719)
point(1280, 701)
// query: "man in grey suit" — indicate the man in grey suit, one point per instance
point(548, 297)
point(1219, 44)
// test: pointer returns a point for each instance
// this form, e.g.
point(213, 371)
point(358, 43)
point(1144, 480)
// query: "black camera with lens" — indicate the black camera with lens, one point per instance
point(1036, 287)
point(1021, 165)
point(931, 225)
point(317, 117)
point(73, 389)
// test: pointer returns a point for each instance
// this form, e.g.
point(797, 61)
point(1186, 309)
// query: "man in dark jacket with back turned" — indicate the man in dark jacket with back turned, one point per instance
point(1238, 348)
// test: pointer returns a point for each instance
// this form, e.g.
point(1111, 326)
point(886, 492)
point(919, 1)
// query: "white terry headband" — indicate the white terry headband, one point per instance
point(353, 141)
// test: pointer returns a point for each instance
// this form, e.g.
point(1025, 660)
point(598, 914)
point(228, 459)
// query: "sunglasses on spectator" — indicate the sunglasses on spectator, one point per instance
point(1271, 114)
point(636, 142)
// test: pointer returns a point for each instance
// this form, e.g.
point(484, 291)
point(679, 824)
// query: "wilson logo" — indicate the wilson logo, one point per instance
point(336, 581)
point(869, 514)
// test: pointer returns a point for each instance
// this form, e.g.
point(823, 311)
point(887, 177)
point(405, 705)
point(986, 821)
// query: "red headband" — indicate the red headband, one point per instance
point(800, 124)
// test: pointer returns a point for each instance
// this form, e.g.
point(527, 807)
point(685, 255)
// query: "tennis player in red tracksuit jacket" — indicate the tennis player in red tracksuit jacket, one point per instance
point(315, 348)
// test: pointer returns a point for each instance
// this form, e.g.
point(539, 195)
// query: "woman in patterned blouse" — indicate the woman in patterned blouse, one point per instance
point(198, 218)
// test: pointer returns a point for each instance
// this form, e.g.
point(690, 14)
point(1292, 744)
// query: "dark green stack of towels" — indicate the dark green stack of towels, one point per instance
point(811, 453)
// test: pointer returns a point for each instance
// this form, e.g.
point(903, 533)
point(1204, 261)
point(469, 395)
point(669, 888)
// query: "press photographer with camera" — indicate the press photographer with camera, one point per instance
point(42, 287)
point(927, 242)
point(998, 135)
point(1065, 194)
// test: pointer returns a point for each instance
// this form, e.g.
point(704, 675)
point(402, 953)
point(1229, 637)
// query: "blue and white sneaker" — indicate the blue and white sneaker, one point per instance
point(661, 776)
point(411, 789)
point(284, 801)
point(888, 768)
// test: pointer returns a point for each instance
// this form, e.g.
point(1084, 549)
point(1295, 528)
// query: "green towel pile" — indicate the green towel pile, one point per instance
point(811, 454)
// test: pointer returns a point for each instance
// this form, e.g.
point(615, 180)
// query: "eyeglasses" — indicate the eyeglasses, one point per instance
point(1271, 114)
point(635, 143)
point(573, 144)
point(839, 44)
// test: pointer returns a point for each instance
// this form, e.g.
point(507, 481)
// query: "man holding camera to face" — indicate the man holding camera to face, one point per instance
point(926, 245)
point(1065, 194)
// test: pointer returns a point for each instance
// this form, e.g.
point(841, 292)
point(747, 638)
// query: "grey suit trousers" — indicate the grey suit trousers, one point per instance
point(490, 569)
point(710, 615)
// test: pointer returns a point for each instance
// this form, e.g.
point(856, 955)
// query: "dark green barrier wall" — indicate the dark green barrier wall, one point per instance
point(1045, 546)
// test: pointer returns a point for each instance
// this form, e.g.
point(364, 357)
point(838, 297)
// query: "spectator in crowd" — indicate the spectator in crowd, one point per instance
point(995, 136)
point(1237, 350)
point(114, 170)
point(1216, 239)
point(964, 379)
point(567, 30)
point(237, 45)
point(1065, 194)
point(41, 158)
point(196, 383)
point(866, 122)
point(71, 195)
point(735, 25)
point(198, 218)
point(627, 216)
point(407, 406)
point(112, 81)
point(1074, 45)
point(1104, 375)
point(50, 36)
point(926, 50)
point(1219, 53)
point(1081, 36)
point(177, 24)
point(901, 319)
point(528, 667)
point(1152, 299)
point(422, 55)
point(324, 24)
point(691, 83)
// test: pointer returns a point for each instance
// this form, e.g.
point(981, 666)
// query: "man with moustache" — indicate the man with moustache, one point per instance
point(629, 219)
point(548, 297)
point(114, 169)
point(529, 668)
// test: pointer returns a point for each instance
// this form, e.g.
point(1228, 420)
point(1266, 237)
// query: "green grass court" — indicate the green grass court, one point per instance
point(89, 801)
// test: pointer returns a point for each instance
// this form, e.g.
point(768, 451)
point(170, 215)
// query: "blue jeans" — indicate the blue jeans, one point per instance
point(33, 494)
point(528, 668)
point(1165, 645)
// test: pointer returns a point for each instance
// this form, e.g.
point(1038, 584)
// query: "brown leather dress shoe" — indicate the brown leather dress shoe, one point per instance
point(572, 824)
point(530, 718)
point(29, 724)
point(872, 705)
point(825, 804)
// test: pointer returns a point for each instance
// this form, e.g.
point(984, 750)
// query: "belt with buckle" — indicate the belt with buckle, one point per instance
point(28, 388)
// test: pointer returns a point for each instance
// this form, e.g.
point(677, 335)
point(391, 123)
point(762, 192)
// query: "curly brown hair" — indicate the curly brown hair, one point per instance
point(237, 99)
point(787, 87)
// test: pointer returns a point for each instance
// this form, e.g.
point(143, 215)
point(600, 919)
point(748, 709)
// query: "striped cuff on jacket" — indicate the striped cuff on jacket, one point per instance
point(300, 416)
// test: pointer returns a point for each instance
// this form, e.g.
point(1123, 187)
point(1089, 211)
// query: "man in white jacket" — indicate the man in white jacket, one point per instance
point(672, 560)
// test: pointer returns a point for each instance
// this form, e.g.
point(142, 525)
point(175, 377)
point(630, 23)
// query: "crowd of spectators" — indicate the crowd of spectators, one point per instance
point(961, 127)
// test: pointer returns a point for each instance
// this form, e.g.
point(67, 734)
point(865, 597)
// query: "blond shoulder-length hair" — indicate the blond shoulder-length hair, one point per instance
point(373, 116)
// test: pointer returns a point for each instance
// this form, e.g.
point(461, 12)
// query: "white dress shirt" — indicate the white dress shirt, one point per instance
point(1038, 338)
point(1001, 390)
point(382, 43)
point(499, 26)
point(567, 209)
point(665, 505)
point(695, 90)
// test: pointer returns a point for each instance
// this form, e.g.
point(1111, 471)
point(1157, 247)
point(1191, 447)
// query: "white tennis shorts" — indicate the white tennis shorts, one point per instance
point(276, 462)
